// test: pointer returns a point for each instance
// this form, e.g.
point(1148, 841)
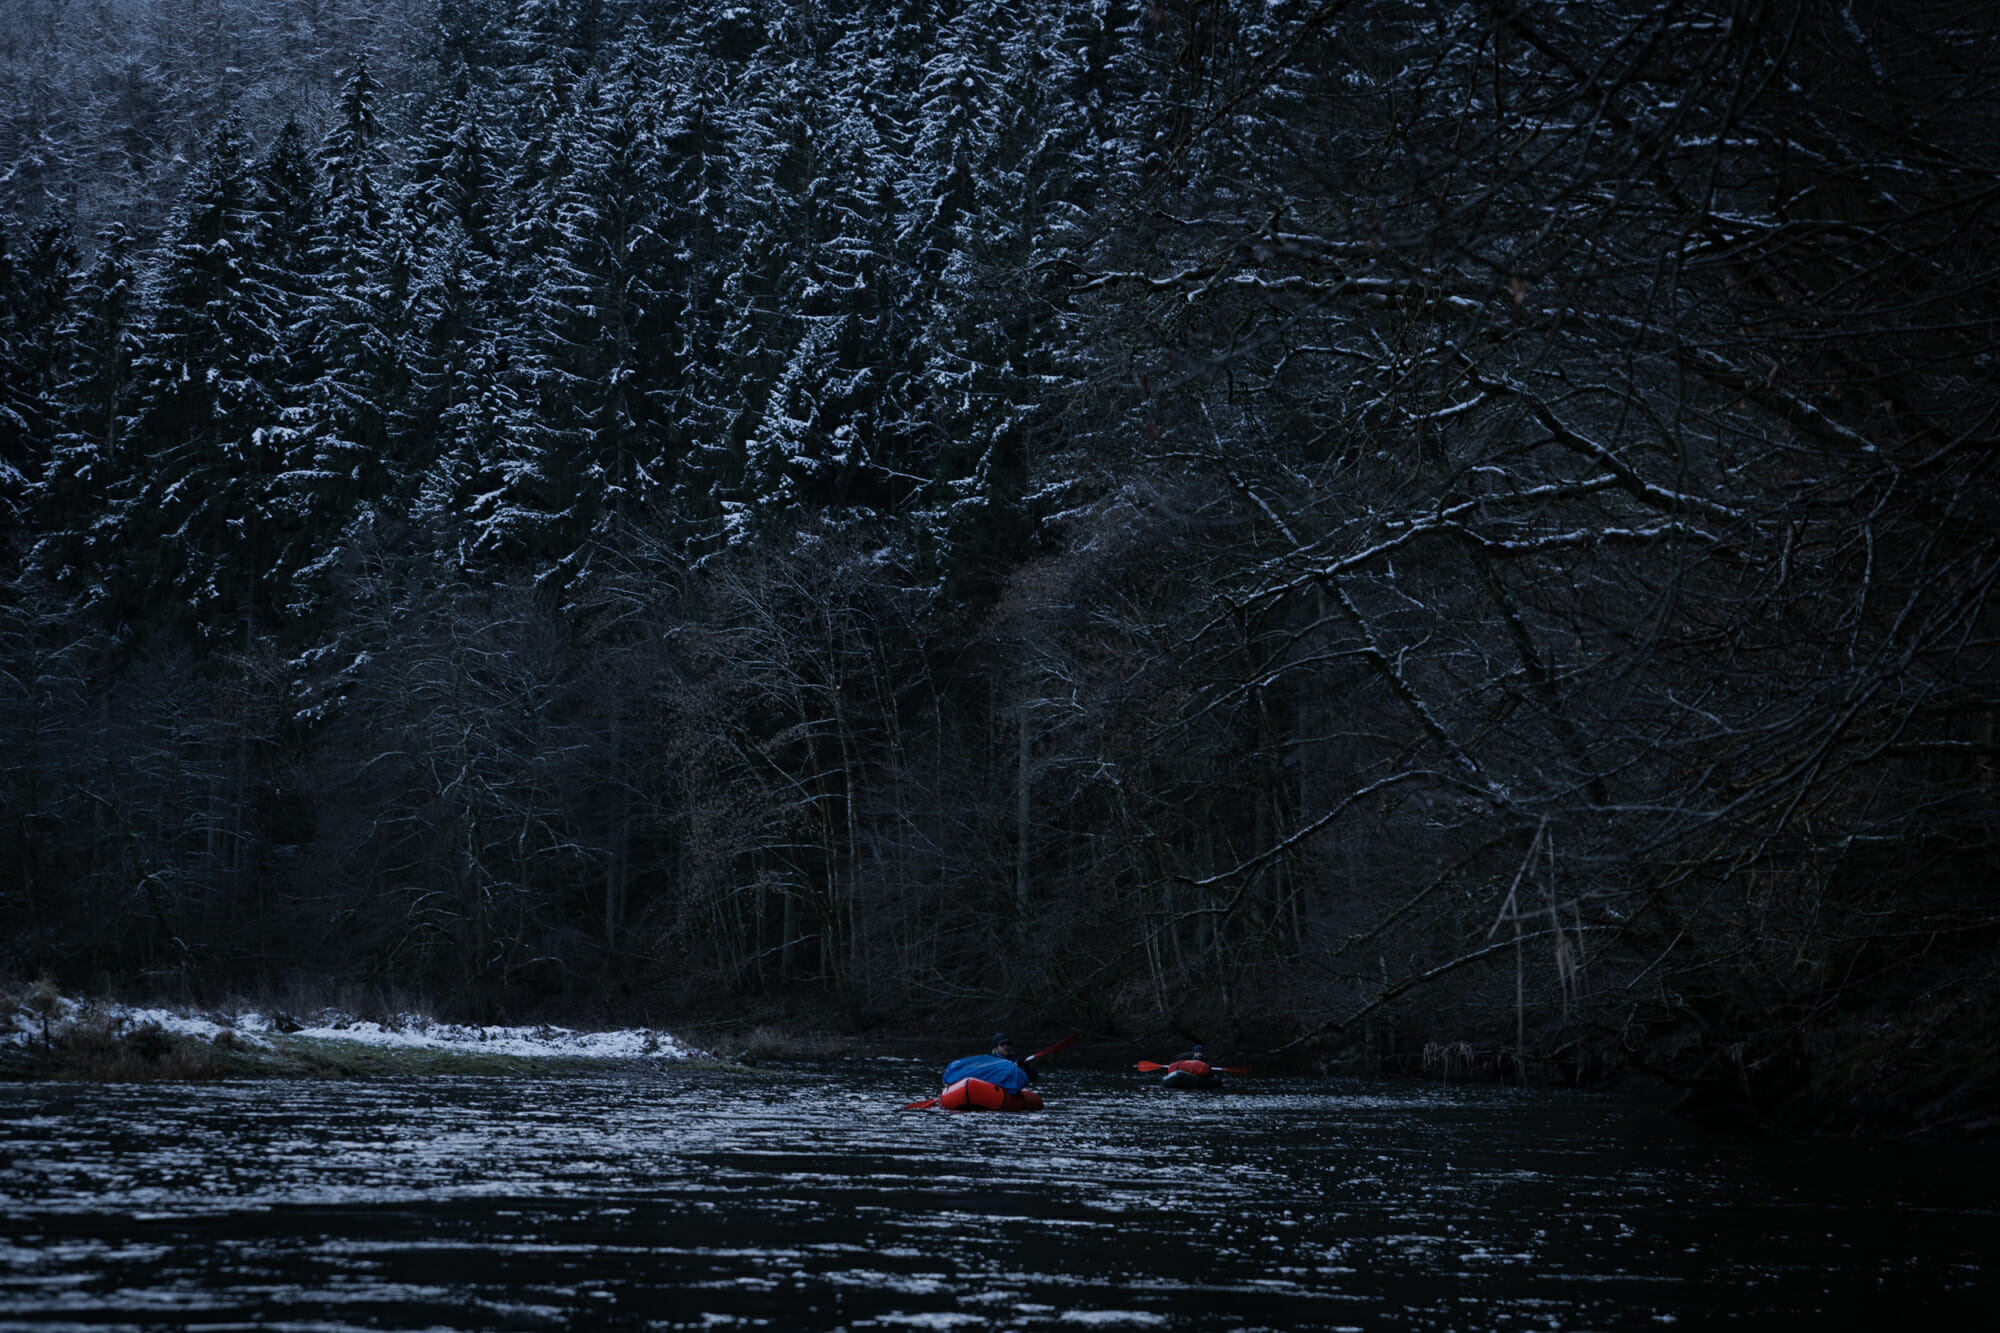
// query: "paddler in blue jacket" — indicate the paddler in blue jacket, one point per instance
point(999, 1067)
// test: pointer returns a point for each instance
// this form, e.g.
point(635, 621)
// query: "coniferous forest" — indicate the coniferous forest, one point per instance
point(1380, 533)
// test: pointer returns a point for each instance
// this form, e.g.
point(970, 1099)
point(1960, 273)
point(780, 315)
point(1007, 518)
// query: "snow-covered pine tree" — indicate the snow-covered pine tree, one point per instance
point(808, 417)
point(288, 180)
point(1043, 196)
point(500, 493)
point(970, 235)
point(526, 505)
point(448, 215)
point(288, 261)
point(585, 445)
point(193, 528)
point(341, 458)
point(617, 345)
point(452, 171)
point(351, 255)
point(565, 32)
point(702, 209)
point(89, 454)
point(34, 299)
point(466, 34)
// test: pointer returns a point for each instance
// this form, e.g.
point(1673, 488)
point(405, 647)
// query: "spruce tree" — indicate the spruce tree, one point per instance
point(288, 206)
point(193, 526)
point(702, 210)
point(972, 245)
point(358, 375)
point(818, 445)
point(448, 218)
point(90, 454)
point(591, 263)
point(34, 297)
point(340, 454)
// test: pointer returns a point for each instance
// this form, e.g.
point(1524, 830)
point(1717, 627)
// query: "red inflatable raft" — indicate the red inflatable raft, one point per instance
point(976, 1094)
point(1190, 1074)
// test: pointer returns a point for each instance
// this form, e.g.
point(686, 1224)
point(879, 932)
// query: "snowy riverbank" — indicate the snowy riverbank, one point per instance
point(39, 1023)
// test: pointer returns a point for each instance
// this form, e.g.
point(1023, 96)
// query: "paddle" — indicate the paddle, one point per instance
point(1148, 1067)
point(1062, 1045)
point(928, 1102)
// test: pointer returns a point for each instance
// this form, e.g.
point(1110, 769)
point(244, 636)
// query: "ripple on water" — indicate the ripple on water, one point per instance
point(691, 1199)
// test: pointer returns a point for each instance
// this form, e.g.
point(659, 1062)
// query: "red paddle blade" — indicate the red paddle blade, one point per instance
point(1228, 1069)
point(1148, 1067)
point(924, 1105)
point(1064, 1044)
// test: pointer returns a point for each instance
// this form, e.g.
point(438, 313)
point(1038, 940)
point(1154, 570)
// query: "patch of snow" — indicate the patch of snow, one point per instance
point(18, 1025)
point(628, 1043)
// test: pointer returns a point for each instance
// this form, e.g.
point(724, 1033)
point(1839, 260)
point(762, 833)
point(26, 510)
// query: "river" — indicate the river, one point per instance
point(802, 1198)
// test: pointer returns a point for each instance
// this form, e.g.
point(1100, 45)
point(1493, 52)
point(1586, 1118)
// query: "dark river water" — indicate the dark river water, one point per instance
point(802, 1198)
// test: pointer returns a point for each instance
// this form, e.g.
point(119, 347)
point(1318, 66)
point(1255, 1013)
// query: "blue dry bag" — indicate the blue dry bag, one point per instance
point(1001, 1073)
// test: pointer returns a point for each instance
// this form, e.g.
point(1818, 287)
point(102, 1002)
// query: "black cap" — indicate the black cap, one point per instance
point(999, 1039)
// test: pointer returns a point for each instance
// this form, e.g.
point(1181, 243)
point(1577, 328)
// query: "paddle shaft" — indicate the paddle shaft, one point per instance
point(1064, 1044)
point(1148, 1067)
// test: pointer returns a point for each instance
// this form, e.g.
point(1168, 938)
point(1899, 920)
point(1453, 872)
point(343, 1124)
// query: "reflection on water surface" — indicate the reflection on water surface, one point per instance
point(802, 1199)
